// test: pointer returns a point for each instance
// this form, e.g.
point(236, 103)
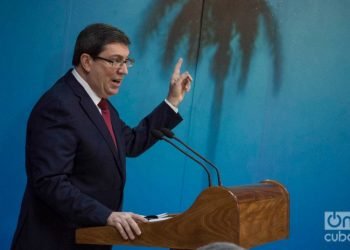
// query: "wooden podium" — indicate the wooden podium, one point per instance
point(245, 215)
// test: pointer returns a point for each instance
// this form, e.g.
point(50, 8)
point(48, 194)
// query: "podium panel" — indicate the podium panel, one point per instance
point(245, 215)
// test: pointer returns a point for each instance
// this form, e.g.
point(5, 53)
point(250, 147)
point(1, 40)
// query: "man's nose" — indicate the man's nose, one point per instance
point(123, 69)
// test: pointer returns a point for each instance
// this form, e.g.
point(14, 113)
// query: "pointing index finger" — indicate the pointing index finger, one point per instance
point(177, 67)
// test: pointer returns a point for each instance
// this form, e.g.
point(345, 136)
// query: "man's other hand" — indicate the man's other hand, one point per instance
point(126, 224)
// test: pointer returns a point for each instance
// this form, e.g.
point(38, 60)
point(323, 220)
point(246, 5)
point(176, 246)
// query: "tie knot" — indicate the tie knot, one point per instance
point(103, 105)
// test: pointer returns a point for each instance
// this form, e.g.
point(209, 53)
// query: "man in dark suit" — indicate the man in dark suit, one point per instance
point(76, 146)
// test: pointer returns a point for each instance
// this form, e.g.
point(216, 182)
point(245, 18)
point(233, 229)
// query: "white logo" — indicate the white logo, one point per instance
point(337, 221)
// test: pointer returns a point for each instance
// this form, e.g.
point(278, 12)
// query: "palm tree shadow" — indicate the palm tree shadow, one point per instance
point(216, 23)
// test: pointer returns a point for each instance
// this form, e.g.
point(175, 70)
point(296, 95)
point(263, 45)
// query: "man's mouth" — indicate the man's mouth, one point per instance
point(118, 81)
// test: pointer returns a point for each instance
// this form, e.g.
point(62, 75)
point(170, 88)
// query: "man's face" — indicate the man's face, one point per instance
point(104, 78)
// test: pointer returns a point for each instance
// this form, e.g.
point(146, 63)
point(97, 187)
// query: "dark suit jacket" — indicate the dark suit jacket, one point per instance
point(75, 173)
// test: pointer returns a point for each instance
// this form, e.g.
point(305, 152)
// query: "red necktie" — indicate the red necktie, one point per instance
point(103, 105)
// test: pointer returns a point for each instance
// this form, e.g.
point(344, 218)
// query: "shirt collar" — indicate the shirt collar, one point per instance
point(87, 87)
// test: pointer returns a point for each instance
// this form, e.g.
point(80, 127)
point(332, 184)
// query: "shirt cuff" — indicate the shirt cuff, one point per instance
point(176, 110)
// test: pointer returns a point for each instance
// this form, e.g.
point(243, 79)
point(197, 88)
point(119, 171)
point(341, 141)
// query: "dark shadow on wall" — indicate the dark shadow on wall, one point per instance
point(204, 23)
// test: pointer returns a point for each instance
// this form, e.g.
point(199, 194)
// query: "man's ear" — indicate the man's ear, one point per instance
point(86, 62)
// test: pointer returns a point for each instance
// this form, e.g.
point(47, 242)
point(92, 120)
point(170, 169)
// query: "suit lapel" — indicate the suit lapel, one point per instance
point(118, 134)
point(92, 112)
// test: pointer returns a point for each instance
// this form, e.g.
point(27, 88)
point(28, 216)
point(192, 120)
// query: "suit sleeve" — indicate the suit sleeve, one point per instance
point(139, 138)
point(50, 151)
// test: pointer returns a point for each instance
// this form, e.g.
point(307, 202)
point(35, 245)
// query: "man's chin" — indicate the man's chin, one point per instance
point(113, 92)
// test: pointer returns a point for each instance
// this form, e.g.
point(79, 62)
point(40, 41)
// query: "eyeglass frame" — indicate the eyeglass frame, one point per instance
point(117, 63)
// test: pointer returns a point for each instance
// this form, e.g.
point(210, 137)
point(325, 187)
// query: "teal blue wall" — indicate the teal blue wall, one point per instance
point(299, 136)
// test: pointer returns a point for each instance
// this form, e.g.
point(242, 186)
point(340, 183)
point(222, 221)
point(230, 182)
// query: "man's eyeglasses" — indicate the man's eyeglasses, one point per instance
point(118, 62)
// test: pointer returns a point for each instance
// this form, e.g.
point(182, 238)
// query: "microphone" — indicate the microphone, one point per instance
point(168, 133)
point(159, 135)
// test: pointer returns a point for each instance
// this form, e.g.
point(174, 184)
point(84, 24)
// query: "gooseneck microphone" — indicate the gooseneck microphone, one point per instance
point(159, 135)
point(168, 133)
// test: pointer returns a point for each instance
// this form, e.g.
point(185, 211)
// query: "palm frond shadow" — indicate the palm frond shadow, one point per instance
point(205, 23)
